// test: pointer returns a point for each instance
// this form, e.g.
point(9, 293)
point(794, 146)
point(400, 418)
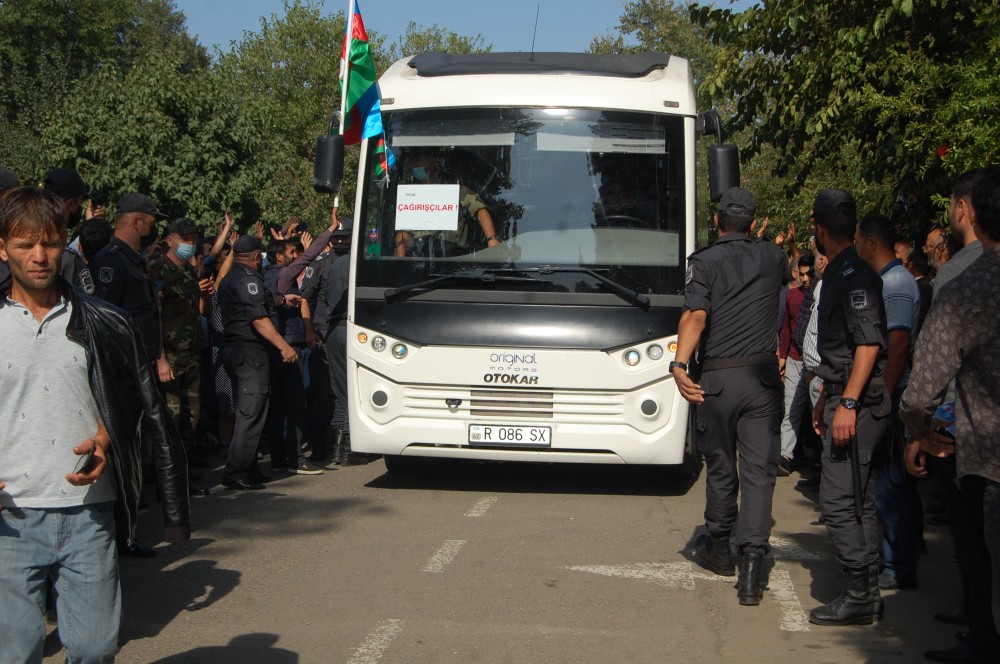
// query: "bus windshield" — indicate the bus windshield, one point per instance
point(491, 189)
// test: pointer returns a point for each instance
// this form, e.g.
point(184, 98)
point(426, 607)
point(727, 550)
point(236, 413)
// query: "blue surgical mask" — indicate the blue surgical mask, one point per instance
point(184, 251)
point(420, 174)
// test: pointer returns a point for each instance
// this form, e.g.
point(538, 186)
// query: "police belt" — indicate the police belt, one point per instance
point(714, 364)
point(833, 389)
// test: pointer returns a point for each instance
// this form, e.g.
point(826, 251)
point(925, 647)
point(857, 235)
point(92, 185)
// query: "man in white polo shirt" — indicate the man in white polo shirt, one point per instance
point(74, 381)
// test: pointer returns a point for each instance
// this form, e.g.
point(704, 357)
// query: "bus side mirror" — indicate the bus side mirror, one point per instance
point(723, 169)
point(328, 167)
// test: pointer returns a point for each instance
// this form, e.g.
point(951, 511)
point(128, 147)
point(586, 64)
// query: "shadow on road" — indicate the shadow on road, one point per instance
point(257, 648)
point(542, 478)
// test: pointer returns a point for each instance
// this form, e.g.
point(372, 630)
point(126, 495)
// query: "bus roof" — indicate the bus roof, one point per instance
point(646, 82)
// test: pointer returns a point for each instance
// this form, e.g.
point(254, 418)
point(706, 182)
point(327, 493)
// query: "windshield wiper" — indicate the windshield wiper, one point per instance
point(627, 293)
point(483, 276)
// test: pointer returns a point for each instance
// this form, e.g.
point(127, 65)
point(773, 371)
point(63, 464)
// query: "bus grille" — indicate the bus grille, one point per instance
point(499, 403)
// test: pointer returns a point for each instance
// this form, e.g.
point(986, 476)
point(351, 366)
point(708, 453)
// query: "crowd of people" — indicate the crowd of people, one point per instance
point(170, 350)
point(890, 353)
point(864, 356)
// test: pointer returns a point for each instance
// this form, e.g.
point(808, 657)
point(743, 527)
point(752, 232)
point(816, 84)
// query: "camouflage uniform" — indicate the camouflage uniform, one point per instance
point(179, 297)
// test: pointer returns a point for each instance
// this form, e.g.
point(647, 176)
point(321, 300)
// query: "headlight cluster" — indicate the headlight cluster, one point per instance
point(633, 356)
point(379, 344)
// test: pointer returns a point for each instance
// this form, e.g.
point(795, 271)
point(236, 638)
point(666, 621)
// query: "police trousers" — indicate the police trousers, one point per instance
point(857, 544)
point(739, 435)
point(250, 372)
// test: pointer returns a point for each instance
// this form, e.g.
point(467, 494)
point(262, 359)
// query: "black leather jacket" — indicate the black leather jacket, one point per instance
point(124, 389)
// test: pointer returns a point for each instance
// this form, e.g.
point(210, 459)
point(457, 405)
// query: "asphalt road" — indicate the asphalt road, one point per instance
point(494, 563)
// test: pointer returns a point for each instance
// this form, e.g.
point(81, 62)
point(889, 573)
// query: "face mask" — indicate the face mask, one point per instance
point(146, 240)
point(341, 249)
point(420, 174)
point(184, 251)
point(74, 219)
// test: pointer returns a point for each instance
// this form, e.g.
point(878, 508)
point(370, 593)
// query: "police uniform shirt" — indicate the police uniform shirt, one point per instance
point(337, 288)
point(850, 314)
point(313, 289)
point(736, 282)
point(122, 278)
point(243, 298)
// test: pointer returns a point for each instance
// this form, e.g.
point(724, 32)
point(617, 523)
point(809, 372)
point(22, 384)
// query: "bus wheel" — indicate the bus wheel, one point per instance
point(398, 465)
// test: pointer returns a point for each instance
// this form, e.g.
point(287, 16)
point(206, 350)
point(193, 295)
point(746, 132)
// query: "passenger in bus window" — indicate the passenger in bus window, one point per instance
point(425, 170)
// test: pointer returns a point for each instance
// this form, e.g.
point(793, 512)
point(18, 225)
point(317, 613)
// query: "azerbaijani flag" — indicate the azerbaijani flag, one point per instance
point(363, 116)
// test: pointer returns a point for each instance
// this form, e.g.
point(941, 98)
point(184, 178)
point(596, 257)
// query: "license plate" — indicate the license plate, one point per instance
point(514, 436)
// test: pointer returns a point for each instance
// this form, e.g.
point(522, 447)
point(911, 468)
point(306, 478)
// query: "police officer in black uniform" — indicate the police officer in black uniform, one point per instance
point(249, 322)
point(316, 315)
point(121, 275)
point(730, 317)
point(336, 290)
point(852, 342)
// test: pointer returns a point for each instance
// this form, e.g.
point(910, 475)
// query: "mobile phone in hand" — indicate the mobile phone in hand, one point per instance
point(84, 463)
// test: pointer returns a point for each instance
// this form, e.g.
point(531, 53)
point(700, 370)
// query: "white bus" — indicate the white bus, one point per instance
point(518, 273)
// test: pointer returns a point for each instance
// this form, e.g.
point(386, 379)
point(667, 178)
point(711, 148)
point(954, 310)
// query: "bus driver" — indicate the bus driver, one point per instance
point(433, 243)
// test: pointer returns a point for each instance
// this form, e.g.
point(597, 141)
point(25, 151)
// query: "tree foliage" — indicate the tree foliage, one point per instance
point(908, 84)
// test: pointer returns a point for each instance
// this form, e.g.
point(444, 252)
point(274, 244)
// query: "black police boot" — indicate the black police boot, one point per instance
point(750, 587)
point(341, 446)
point(855, 606)
point(714, 554)
point(875, 591)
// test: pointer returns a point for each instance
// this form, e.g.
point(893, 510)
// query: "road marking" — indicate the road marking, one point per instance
point(682, 575)
point(793, 618)
point(672, 575)
point(377, 642)
point(444, 555)
point(786, 549)
point(482, 506)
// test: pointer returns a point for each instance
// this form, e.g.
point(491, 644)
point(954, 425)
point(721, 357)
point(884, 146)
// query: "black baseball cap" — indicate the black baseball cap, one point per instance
point(345, 228)
point(182, 226)
point(66, 183)
point(139, 203)
point(832, 201)
point(738, 201)
point(7, 179)
point(246, 245)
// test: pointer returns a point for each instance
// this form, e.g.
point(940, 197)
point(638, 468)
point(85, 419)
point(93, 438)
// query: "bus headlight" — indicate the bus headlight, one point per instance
point(654, 352)
point(378, 344)
point(399, 351)
point(672, 347)
point(632, 357)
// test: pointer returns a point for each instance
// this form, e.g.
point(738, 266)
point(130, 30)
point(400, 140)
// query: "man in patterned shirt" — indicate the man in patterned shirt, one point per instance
point(960, 340)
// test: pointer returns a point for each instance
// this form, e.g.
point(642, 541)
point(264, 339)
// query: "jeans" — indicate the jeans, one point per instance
point(796, 405)
point(75, 546)
point(897, 504)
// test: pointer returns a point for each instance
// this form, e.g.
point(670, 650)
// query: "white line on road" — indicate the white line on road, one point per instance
point(444, 555)
point(377, 642)
point(785, 549)
point(793, 618)
point(482, 506)
point(672, 575)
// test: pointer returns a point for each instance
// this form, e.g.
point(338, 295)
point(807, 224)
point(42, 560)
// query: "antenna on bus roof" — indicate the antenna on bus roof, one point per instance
point(535, 33)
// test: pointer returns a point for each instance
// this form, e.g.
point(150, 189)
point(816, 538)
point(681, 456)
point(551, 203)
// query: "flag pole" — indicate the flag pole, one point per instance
point(348, 41)
point(345, 74)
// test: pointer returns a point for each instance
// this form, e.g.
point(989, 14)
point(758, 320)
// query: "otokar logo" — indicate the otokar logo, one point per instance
point(511, 379)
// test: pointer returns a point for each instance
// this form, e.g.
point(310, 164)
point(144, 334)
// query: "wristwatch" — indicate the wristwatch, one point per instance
point(674, 364)
point(849, 403)
point(493, 237)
